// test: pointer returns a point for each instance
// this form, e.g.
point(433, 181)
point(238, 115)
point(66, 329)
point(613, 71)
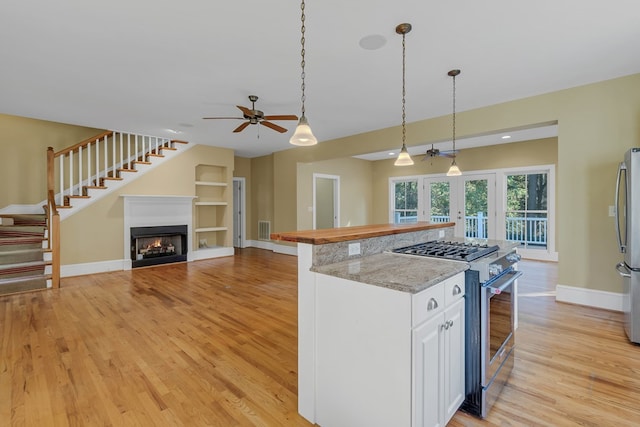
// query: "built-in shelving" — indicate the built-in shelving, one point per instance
point(211, 207)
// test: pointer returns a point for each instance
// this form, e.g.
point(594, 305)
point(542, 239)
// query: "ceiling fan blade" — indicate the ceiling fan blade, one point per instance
point(282, 117)
point(241, 127)
point(218, 118)
point(247, 112)
point(273, 126)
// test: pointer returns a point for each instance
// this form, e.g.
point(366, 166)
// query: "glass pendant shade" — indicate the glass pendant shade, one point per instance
point(454, 170)
point(303, 135)
point(404, 159)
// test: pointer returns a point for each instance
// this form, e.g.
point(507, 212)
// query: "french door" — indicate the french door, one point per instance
point(468, 200)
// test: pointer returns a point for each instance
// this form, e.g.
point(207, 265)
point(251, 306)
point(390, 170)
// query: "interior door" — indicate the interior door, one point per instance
point(326, 209)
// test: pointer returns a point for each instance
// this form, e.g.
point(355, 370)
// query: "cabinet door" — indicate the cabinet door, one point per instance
point(453, 359)
point(428, 377)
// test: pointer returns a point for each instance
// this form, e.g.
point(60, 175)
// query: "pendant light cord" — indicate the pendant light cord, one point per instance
point(404, 131)
point(454, 118)
point(302, 52)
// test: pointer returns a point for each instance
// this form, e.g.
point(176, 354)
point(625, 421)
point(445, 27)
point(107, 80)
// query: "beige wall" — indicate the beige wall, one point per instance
point(23, 143)
point(262, 193)
point(355, 190)
point(597, 123)
point(96, 233)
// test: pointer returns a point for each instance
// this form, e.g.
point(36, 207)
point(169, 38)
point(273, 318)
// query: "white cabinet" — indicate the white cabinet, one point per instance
point(385, 357)
point(438, 371)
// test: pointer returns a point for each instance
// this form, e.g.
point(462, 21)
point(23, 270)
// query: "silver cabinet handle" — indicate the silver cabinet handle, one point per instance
point(456, 290)
point(450, 323)
point(620, 267)
point(432, 304)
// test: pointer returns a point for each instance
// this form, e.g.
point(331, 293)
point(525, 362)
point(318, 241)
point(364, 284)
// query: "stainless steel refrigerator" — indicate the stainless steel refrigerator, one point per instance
point(627, 207)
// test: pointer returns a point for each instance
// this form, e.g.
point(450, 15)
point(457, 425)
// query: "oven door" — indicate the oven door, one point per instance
point(496, 326)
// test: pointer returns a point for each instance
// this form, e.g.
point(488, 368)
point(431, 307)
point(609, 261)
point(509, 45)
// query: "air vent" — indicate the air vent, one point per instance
point(264, 230)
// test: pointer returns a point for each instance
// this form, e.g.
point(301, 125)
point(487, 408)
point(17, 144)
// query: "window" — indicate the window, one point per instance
point(405, 204)
point(527, 215)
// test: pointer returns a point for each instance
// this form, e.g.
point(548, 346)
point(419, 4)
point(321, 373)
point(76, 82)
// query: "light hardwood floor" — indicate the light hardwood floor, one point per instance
point(214, 343)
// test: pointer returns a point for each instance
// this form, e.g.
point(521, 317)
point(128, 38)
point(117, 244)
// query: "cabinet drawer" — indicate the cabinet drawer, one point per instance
point(427, 303)
point(453, 289)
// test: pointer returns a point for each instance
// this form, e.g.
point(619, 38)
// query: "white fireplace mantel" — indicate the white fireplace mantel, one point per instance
point(143, 211)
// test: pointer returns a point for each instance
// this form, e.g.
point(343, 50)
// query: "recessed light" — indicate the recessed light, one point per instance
point(392, 154)
point(372, 42)
point(506, 136)
point(173, 131)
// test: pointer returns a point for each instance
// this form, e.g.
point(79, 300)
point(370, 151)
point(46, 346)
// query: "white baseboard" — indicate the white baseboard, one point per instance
point(272, 246)
point(70, 270)
point(212, 253)
point(589, 297)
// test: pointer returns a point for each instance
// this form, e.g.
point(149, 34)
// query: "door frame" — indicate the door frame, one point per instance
point(239, 239)
point(336, 198)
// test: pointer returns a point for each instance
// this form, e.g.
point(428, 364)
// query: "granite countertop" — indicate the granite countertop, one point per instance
point(405, 273)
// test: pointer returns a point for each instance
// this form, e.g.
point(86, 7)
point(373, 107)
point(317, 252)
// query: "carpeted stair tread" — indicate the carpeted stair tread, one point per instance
point(22, 269)
point(19, 256)
point(17, 243)
point(23, 284)
point(27, 219)
point(21, 230)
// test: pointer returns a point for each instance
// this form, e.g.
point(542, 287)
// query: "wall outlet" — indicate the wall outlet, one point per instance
point(440, 233)
point(612, 211)
point(354, 249)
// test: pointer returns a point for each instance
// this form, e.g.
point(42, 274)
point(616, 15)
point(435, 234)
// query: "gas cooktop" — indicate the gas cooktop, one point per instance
point(458, 251)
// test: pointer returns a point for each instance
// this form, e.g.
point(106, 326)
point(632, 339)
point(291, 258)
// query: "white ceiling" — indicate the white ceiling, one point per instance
point(147, 66)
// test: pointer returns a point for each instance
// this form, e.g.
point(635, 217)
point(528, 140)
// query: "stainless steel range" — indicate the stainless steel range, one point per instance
point(489, 315)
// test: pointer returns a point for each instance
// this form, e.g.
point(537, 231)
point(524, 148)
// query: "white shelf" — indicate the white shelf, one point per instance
point(206, 229)
point(212, 184)
point(211, 203)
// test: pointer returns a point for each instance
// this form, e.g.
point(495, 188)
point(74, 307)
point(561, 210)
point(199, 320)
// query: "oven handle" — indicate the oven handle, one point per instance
point(504, 282)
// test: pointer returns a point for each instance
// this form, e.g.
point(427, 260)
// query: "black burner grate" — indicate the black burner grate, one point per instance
point(449, 250)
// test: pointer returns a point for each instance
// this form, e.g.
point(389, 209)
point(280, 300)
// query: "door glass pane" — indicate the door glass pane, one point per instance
point(406, 202)
point(476, 208)
point(527, 213)
point(440, 194)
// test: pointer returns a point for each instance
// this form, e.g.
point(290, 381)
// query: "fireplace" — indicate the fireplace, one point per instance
point(158, 245)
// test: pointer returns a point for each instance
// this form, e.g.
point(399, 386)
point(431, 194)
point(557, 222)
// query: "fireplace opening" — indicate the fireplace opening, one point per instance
point(158, 245)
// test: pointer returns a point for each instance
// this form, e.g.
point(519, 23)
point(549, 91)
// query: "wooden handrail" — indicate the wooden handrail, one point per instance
point(83, 143)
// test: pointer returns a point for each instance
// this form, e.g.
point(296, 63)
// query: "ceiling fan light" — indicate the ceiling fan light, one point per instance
point(404, 159)
point(303, 135)
point(454, 170)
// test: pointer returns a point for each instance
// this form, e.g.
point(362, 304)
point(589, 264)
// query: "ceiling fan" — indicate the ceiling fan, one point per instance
point(434, 152)
point(254, 117)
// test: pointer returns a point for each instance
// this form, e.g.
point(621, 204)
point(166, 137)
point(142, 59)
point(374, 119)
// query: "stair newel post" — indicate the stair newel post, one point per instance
point(53, 218)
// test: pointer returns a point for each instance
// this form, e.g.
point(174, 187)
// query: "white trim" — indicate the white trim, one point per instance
point(208, 253)
point(589, 297)
point(272, 246)
point(71, 270)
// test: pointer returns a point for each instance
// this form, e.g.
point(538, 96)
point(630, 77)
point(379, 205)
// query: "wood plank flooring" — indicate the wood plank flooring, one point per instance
point(213, 343)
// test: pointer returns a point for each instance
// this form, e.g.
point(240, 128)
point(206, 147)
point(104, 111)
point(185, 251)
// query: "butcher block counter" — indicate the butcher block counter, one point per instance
point(343, 234)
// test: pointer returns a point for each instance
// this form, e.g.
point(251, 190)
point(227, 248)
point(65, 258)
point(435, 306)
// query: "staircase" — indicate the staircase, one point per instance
point(25, 263)
point(76, 177)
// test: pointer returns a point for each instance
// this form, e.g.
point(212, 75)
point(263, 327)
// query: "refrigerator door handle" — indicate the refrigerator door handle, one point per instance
point(623, 246)
point(626, 272)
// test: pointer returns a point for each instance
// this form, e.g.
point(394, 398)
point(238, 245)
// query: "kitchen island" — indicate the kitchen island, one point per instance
point(347, 263)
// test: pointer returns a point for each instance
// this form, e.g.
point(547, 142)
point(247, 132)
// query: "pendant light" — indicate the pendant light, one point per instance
point(454, 170)
point(303, 135)
point(404, 159)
